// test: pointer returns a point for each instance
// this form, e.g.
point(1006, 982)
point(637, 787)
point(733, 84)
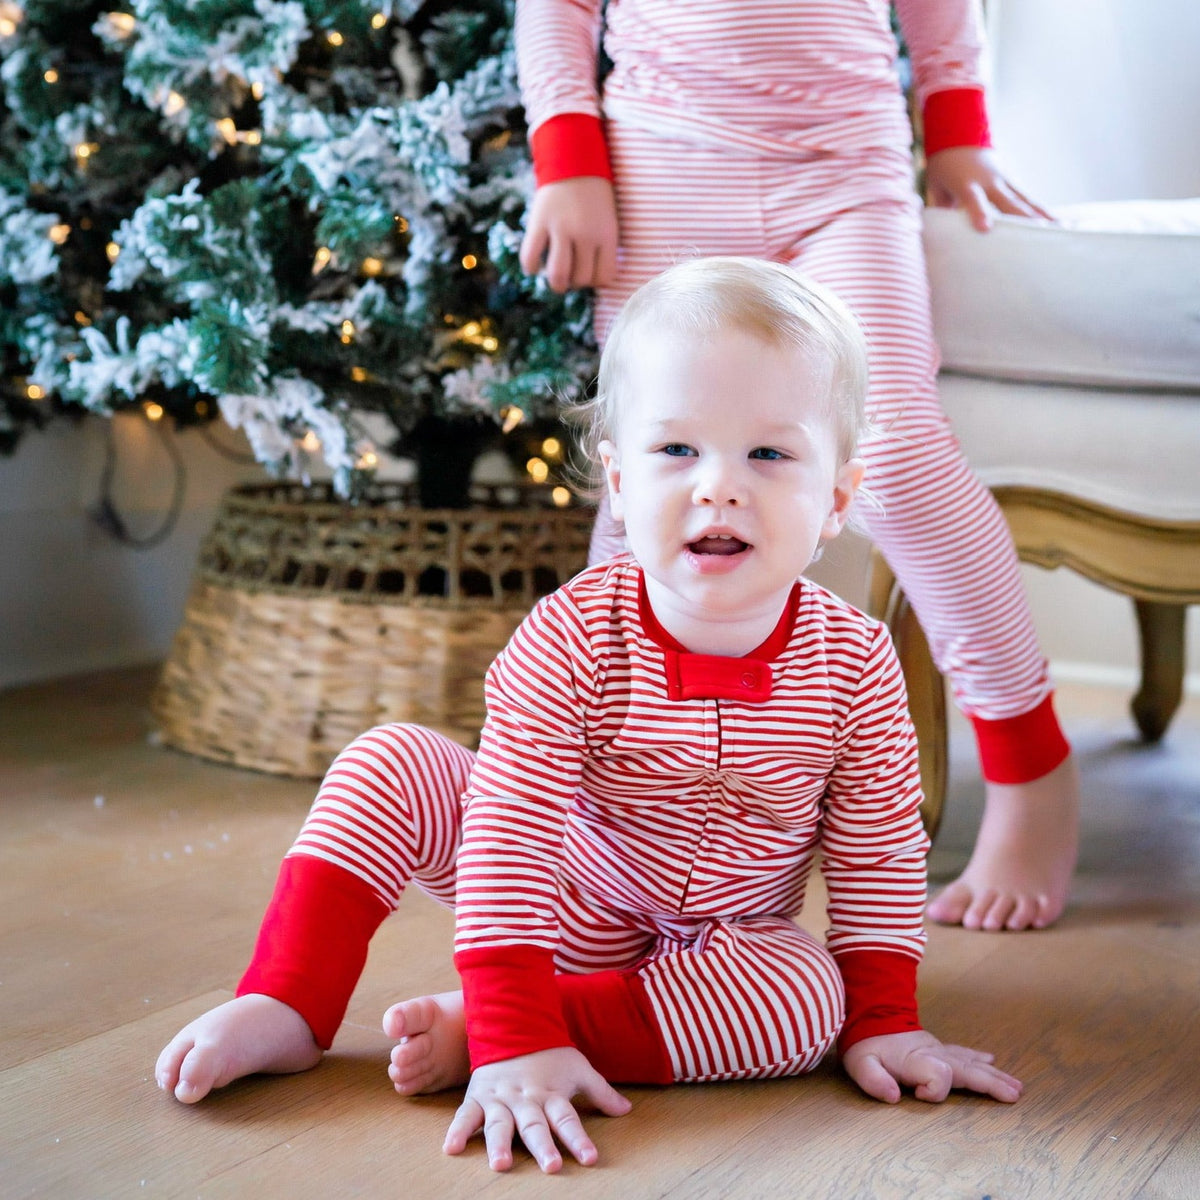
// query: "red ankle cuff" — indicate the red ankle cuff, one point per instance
point(1023, 748)
point(612, 1023)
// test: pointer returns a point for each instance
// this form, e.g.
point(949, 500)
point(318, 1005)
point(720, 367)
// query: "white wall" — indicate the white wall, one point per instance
point(72, 599)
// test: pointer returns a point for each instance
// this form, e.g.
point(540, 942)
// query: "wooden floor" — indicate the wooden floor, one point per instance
point(132, 879)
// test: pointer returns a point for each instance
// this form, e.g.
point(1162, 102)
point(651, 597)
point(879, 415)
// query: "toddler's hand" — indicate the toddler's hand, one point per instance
point(531, 1095)
point(967, 177)
point(572, 226)
point(882, 1065)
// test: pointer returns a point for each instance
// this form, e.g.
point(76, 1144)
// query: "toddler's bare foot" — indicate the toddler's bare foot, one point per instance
point(432, 1054)
point(1019, 873)
point(241, 1037)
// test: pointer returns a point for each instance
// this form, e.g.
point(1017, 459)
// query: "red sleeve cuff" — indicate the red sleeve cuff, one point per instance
point(511, 1002)
point(1023, 748)
point(881, 995)
point(956, 117)
point(568, 146)
point(312, 943)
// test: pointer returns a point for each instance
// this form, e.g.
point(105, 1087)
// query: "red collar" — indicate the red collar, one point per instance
point(716, 676)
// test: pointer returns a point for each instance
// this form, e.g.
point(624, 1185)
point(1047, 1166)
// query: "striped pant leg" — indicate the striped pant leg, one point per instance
point(937, 525)
point(749, 998)
point(388, 811)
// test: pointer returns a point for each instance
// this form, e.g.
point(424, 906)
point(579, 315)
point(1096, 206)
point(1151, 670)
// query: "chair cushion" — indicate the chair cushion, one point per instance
point(1108, 296)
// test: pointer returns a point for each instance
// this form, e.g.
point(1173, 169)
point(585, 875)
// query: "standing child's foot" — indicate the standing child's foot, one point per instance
point(1019, 873)
point(245, 1036)
point(432, 1054)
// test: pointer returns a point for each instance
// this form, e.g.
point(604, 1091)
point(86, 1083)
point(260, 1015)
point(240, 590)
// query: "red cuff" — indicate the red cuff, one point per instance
point(511, 1002)
point(568, 146)
point(1023, 748)
point(312, 943)
point(956, 117)
point(881, 995)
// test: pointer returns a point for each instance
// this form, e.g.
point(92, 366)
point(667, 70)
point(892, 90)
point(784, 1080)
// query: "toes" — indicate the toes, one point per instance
point(977, 911)
point(410, 1017)
point(949, 907)
point(1025, 913)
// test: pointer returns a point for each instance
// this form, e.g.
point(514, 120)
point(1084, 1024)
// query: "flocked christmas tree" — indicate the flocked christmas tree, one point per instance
point(287, 213)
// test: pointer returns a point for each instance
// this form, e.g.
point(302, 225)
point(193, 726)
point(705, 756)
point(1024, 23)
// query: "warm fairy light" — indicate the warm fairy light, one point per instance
point(347, 332)
point(510, 418)
point(228, 130)
point(334, 38)
point(35, 393)
point(81, 318)
point(490, 344)
point(257, 90)
point(154, 412)
point(359, 374)
point(379, 20)
point(469, 262)
point(251, 137)
point(472, 329)
point(202, 408)
point(11, 16)
point(58, 233)
point(310, 442)
point(561, 496)
point(113, 252)
point(401, 224)
point(367, 461)
point(175, 104)
point(539, 472)
point(121, 23)
point(551, 447)
point(84, 150)
point(321, 259)
point(372, 266)
point(50, 76)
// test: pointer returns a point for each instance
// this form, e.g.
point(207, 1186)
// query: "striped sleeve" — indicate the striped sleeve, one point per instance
point(873, 845)
point(514, 814)
point(557, 43)
point(945, 41)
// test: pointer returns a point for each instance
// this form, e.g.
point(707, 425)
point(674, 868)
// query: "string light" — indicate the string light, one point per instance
point(50, 76)
point(372, 266)
point(367, 461)
point(175, 103)
point(121, 24)
point(334, 38)
point(469, 262)
point(401, 224)
point(561, 496)
point(112, 251)
point(34, 392)
point(379, 20)
point(539, 472)
point(252, 137)
point(58, 233)
point(11, 16)
point(81, 318)
point(310, 442)
point(359, 374)
point(202, 408)
point(321, 259)
point(347, 332)
point(257, 90)
point(84, 150)
point(510, 418)
point(551, 447)
point(228, 130)
point(490, 344)
point(154, 412)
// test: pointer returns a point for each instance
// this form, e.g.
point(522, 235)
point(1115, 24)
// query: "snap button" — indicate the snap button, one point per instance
point(749, 680)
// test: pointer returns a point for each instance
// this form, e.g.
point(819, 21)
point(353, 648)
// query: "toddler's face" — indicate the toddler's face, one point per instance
point(725, 470)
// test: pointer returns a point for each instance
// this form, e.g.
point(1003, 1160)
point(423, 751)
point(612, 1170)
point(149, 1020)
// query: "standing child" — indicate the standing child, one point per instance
point(671, 738)
point(777, 128)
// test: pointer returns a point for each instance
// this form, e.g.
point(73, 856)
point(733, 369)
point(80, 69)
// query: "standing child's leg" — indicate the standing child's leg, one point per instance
point(948, 544)
point(387, 812)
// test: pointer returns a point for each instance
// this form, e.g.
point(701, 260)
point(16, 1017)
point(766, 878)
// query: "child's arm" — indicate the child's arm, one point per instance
point(571, 228)
point(881, 1066)
point(945, 41)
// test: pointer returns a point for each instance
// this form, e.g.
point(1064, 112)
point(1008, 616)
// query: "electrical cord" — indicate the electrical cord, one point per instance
point(104, 512)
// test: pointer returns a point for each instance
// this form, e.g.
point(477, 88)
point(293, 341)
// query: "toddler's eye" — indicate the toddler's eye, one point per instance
point(765, 452)
point(678, 450)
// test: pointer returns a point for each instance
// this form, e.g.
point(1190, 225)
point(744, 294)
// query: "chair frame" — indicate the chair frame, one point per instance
point(1156, 563)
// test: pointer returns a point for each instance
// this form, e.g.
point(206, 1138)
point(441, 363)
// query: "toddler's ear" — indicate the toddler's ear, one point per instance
point(611, 462)
point(845, 484)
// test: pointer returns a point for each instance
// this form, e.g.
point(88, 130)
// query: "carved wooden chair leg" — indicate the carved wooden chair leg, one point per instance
point(926, 689)
point(1161, 628)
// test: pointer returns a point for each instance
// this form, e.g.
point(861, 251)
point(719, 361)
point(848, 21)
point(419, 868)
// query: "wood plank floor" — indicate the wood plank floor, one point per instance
point(132, 879)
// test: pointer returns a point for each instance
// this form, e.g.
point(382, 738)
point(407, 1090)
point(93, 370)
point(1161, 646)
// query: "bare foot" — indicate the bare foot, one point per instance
point(432, 1054)
point(1020, 871)
point(241, 1037)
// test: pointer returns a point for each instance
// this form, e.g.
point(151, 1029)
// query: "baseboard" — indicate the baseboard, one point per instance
point(1098, 675)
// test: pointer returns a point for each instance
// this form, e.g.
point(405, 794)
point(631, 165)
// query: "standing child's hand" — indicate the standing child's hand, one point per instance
point(967, 177)
point(531, 1095)
point(572, 226)
point(881, 1066)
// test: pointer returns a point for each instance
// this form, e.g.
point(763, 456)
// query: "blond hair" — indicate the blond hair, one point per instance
point(701, 297)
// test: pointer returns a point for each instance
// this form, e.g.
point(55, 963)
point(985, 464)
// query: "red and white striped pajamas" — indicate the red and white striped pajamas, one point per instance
point(626, 852)
point(777, 129)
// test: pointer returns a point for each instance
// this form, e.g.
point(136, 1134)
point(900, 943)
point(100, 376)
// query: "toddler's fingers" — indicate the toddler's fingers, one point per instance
point(533, 249)
point(467, 1122)
point(933, 1077)
point(876, 1080)
point(569, 1130)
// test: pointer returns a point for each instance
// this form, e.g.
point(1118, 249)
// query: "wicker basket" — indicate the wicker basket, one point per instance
point(310, 620)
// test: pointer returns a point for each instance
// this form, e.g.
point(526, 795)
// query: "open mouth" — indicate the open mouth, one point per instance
point(722, 545)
